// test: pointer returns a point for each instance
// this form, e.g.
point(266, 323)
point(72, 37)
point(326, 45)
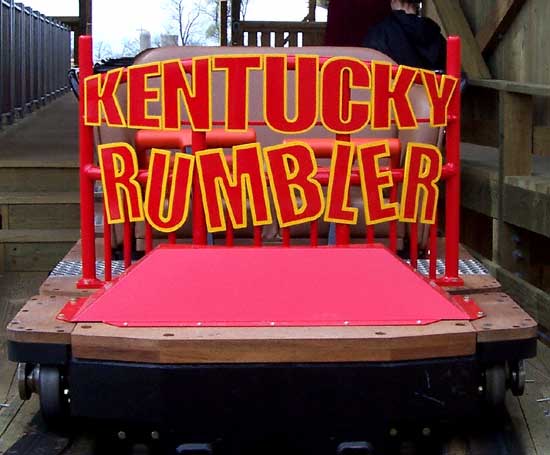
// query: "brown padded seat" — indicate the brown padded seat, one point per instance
point(267, 137)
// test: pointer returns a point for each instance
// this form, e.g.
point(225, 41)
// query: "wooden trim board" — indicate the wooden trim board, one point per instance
point(36, 323)
point(272, 345)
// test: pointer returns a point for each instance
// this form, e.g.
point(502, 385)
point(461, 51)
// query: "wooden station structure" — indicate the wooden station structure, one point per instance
point(505, 212)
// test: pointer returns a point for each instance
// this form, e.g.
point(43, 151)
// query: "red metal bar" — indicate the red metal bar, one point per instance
point(258, 236)
point(314, 234)
point(370, 234)
point(148, 238)
point(127, 243)
point(448, 171)
point(187, 65)
point(89, 278)
point(172, 238)
point(343, 230)
point(285, 232)
point(229, 234)
point(452, 197)
point(433, 251)
point(198, 140)
point(323, 147)
point(414, 245)
point(107, 256)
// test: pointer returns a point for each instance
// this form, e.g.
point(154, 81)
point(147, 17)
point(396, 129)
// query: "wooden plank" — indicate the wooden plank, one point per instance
point(37, 323)
point(532, 299)
point(522, 88)
point(541, 140)
point(65, 197)
point(474, 284)
point(455, 23)
point(50, 216)
point(498, 22)
point(272, 345)
point(64, 286)
point(39, 235)
point(504, 319)
point(527, 209)
point(37, 179)
point(516, 132)
point(33, 257)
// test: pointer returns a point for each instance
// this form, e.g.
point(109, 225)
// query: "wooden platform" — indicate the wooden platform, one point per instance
point(522, 429)
point(504, 320)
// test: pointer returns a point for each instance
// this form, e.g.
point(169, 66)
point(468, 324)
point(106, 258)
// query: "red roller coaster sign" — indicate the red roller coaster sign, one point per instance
point(325, 94)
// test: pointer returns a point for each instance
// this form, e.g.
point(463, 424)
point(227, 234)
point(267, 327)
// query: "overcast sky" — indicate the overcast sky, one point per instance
point(117, 20)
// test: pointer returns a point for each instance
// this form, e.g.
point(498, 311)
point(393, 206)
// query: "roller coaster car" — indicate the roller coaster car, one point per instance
point(203, 344)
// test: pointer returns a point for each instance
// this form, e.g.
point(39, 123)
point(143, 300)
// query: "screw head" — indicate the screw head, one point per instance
point(426, 431)
point(466, 298)
point(155, 435)
point(121, 435)
point(480, 314)
point(393, 432)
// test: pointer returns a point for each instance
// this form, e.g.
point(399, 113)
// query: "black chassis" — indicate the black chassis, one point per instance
point(328, 402)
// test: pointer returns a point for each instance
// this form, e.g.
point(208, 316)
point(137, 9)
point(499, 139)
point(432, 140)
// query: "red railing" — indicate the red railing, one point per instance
point(89, 173)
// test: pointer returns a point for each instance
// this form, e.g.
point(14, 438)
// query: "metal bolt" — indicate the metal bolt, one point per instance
point(155, 435)
point(466, 298)
point(426, 431)
point(121, 435)
point(419, 322)
point(393, 432)
point(272, 324)
point(480, 314)
point(73, 300)
point(61, 315)
point(346, 322)
point(125, 324)
point(480, 389)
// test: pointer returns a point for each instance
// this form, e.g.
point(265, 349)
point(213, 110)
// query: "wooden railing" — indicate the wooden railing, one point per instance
point(278, 34)
point(35, 55)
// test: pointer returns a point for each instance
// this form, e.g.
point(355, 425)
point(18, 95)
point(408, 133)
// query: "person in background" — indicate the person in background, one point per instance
point(349, 20)
point(407, 38)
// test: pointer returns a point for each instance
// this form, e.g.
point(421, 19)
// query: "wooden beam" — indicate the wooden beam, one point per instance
point(455, 23)
point(516, 133)
point(498, 22)
point(236, 32)
point(524, 88)
point(223, 22)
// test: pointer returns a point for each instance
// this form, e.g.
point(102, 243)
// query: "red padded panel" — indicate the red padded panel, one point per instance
point(180, 285)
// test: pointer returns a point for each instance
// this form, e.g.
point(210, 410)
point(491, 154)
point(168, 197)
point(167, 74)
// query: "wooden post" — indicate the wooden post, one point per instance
point(451, 16)
point(236, 33)
point(516, 133)
point(84, 25)
point(311, 13)
point(515, 158)
point(223, 22)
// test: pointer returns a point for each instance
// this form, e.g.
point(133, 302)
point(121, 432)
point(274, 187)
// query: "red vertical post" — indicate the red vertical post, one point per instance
point(343, 230)
point(107, 252)
point(198, 141)
point(86, 141)
point(452, 199)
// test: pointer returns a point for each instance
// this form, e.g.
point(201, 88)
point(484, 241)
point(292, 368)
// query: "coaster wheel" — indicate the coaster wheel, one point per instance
point(495, 385)
point(517, 378)
point(52, 405)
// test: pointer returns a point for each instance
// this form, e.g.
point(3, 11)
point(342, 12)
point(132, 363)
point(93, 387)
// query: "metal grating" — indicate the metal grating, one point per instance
point(74, 268)
point(465, 267)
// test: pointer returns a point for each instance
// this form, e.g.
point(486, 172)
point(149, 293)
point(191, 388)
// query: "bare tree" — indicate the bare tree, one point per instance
point(185, 17)
point(130, 47)
point(102, 50)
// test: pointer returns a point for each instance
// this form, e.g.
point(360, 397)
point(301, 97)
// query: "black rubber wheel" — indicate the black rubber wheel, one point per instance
point(51, 395)
point(495, 385)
